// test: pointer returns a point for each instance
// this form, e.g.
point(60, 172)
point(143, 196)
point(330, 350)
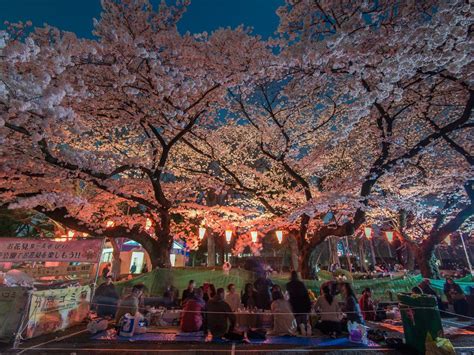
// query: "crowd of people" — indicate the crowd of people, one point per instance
point(206, 308)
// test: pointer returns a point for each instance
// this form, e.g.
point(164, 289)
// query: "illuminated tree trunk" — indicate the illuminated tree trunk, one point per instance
point(211, 250)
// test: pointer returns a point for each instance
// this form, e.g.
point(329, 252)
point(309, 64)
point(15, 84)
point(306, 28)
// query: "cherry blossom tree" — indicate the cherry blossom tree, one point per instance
point(106, 115)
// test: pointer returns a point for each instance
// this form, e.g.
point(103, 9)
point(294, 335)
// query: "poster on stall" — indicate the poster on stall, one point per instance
point(57, 309)
point(21, 249)
point(13, 305)
point(64, 270)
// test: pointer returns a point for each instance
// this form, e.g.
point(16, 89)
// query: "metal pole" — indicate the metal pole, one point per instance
point(24, 321)
point(94, 285)
point(372, 251)
point(467, 255)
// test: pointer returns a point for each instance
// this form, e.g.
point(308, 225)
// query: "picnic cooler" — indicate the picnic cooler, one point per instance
point(420, 316)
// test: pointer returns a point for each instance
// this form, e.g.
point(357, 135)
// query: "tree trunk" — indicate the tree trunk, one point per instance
point(293, 243)
point(211, 250)
point(427, 263)
point(410, 260)
point(305, 262)
point(116, 261)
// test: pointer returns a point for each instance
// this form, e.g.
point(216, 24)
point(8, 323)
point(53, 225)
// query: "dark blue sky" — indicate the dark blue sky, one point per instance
point(202, 15)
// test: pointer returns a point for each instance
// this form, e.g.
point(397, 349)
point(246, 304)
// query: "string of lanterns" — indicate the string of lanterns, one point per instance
point(228, 235)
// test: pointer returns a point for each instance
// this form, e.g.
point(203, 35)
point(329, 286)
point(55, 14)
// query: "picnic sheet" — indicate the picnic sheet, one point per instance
point(200, 338)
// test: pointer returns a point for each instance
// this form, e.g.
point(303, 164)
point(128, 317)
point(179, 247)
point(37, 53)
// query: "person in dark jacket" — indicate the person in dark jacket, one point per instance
point(220, 318)
point(249, 298)
point(426, 288)
point(456, 297)
point(263, 286)
point(299, 299)
point(351, 306)
point(189, 292)
point(106, 298)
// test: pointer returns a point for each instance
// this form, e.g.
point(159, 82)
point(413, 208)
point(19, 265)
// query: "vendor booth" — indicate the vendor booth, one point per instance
point(49, 284)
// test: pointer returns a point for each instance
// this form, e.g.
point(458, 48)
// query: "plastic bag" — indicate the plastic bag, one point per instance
point(357, 333)
point(439, 346)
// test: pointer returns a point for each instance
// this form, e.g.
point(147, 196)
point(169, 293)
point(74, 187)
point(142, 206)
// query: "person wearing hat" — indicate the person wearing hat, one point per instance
point(106, 298)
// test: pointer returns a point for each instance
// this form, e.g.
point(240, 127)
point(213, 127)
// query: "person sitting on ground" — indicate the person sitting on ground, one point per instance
point(220, 318)
point(425, 286)
point(328, 308)
point(299, 300)
point(367, 305)
point(132, 303)
point(249, 298)
point(351, 307)
point(191, 317)
point(106, 298)
point(263, 285)
point(284, 322)
point(170, 297)
point(232, 298)
point(189, 292)
point(456, 297)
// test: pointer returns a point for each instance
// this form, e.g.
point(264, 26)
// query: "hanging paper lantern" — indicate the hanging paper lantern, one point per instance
point(254, 235)
point(279, 235)
point(389, 235)
point(228, 236)
point(70, 234)
point(202, 232)
point(448, 240)
point(368, 232)
point(148, 224)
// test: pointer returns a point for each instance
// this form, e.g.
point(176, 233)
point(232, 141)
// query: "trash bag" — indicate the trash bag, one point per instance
point(357, 333)
point(438, 346)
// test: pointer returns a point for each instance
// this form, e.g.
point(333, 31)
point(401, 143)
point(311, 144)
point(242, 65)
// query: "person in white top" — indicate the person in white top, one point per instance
point(232, 298)
point(328, 308)
point(284, 322)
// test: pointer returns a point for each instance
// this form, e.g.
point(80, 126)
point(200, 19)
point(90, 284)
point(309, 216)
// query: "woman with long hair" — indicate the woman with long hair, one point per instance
point(328, 308)
point(351, 306)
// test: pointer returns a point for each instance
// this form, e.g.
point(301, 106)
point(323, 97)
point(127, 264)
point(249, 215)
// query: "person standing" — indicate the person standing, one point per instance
point(189, 292)
point(263, 285)
point(232, 298)
point(133, 268)
point(106, 270)
point(299, 300)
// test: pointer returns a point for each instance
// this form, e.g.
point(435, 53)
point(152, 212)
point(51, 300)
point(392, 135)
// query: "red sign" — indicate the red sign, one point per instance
point(20, 249)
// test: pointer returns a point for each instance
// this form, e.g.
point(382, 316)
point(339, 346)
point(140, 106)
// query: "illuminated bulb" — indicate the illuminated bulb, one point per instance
point(389, 235)
point(254, 235)
point(279, 235)
point(148, 224)
point(110, 224)
point(202, 232)
point(368, 232)
point(228, 236)
point(70, 234)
